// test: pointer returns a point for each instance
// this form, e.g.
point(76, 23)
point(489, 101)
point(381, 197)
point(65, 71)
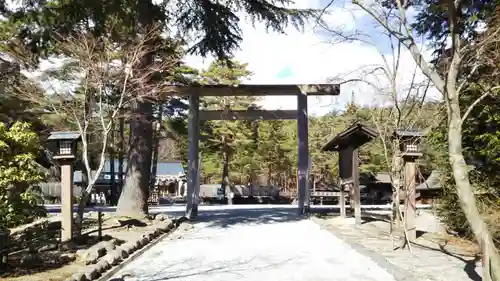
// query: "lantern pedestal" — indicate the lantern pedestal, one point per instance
point(410, 203)
point(66, 198)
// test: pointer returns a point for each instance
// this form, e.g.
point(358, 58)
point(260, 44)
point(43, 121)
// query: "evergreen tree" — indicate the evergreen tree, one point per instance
point(39, 24)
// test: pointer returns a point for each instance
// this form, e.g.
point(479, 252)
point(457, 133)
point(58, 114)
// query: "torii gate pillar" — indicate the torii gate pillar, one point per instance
point(193, 180)
point(303, 152)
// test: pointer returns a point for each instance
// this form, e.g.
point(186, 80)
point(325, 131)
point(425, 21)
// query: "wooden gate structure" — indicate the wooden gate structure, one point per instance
point(195, 115)
point(347, 144)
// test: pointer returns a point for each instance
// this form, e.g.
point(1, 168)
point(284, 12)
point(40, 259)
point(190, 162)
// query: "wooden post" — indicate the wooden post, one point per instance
point(193, 134)
point(99, 224)
point(310, 182)
point(410, 200)
point(196, 200)
point(356, 192)
point(342, 202)
point(66, 200)
point(303, 151)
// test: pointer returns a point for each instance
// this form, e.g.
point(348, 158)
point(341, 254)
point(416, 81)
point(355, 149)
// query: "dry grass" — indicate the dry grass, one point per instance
point(59, 264)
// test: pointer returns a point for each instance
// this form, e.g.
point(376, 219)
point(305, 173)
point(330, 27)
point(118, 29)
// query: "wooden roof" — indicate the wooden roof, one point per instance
point(354, 136)
point(64, 136)
point(408, 134)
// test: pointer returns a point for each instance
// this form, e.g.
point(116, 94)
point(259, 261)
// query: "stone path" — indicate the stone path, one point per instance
point(266, 244)
point(425, 262)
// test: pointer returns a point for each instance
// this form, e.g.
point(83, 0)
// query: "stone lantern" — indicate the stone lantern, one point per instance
point(66, 154)
point(410, 146)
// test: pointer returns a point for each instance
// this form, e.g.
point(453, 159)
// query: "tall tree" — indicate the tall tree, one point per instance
point(449, 76)
point(226, 137)
point(214, 23)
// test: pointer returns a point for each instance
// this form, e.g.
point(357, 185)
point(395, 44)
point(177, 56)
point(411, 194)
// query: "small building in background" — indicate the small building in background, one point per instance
point(170, 181)
point(377, 188)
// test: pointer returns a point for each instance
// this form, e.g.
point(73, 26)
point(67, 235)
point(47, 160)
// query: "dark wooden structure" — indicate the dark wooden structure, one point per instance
point(409, 145)
point(301, 115)
point(347, 144)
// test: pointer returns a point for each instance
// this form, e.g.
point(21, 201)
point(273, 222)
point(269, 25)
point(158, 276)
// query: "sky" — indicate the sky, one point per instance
point(306, 57)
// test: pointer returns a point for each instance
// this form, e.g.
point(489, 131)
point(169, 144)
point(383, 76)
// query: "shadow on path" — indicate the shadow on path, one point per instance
point(227, 217)
point(231, 217)
point(257, 215)
point(469, 264)
point(237, 268)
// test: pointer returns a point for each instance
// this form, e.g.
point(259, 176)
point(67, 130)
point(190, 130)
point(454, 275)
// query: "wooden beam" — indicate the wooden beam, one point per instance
point(356, 194)
point(254, 90)
point(248, 114)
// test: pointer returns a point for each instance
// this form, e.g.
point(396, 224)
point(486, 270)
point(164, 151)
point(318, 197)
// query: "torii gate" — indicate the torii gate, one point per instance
point(195, 115)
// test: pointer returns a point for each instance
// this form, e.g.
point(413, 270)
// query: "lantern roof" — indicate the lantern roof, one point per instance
point(67, 135)
point(408, 133)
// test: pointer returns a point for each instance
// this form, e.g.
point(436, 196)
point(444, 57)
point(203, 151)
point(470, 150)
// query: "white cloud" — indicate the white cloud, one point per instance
point(309, 59)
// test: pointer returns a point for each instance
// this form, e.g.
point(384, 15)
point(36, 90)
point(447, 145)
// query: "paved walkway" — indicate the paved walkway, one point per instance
point(426, 262)
point(265, 244)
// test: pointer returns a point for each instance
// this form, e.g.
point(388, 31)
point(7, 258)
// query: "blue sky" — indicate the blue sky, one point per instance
point(308, 57)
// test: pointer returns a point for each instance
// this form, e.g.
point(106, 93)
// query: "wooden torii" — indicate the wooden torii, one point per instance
point(195, 115)
point(347, 144)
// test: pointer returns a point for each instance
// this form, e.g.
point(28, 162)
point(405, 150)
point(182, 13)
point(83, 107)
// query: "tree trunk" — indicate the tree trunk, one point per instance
point(134, 197)
point(397, 207)
point(466, 193)
point(113, 194)
point(135, 193)
point(120, 154)
point(156, 138)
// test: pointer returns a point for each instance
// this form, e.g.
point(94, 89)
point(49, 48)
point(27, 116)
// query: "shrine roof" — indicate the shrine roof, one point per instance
point(354, 136)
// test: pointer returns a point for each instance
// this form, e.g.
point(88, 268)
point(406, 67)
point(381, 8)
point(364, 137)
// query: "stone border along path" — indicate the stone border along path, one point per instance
point(108, 264)
point(423, 264)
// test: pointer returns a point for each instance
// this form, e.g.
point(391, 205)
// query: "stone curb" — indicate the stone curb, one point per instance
point(398, 273)
point(115, 260)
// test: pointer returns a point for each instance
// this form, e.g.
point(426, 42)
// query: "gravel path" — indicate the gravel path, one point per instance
point(265, 244)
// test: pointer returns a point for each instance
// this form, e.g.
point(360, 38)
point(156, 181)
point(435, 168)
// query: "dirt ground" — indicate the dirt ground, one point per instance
point(59, 264)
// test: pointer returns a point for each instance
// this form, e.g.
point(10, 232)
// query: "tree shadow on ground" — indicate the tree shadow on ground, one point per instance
point(469, 264)
point(255, 215)
point(231, 217)
point(367, 217)
point(180, 270)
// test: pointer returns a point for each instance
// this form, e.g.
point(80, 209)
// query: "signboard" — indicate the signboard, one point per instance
point(325, 193)
point(345, 163)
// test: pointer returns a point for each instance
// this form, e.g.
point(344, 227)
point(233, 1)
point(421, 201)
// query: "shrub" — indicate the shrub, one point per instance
point(19, 175)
